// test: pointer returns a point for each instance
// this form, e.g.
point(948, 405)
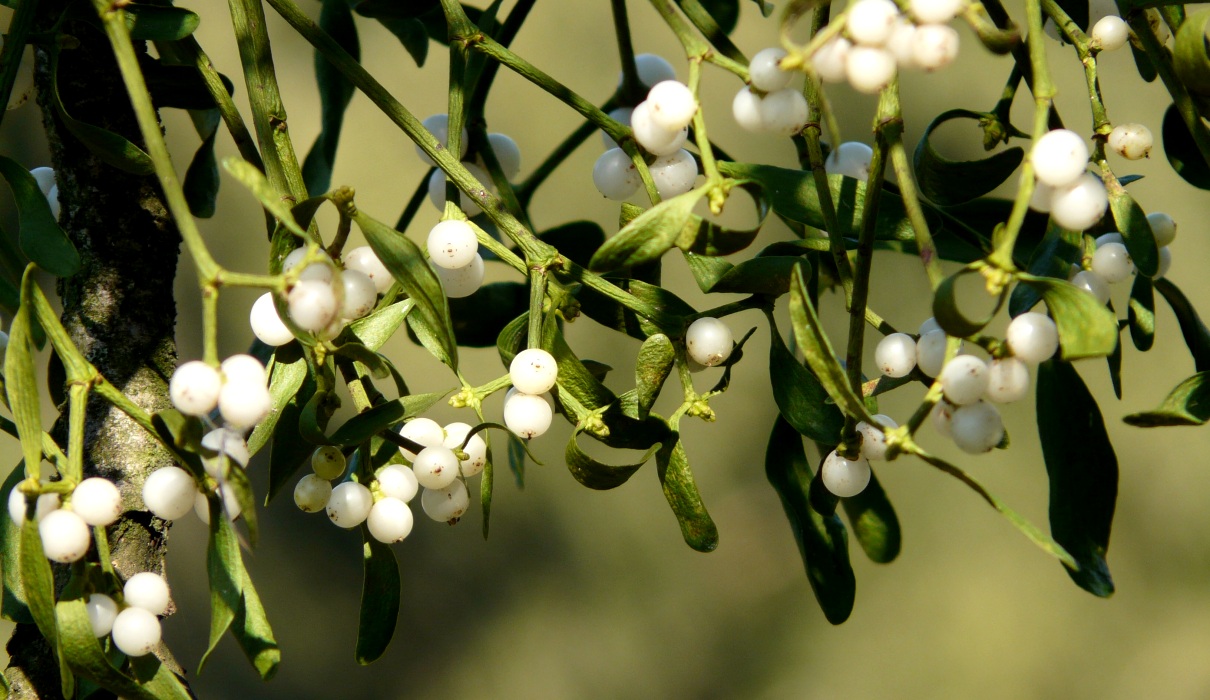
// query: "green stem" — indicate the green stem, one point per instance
point(508, 32)
point(419, 195)
point(268, 112)
point(574, 273)
point(77, 406)
point(705, 23)
point(631, 88)
point(537, 299)
point(526, 189)
point(911, 202)
point(888, 114)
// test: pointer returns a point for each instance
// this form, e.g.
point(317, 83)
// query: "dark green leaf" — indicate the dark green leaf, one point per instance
point(800, 397)
point(724, 12)
point(1197, 337)
point(479, 318)
point(822, 540)
point(792, 194)
point(874, 522)
point(1187, 404)
point(1077, 10)
point(1136, 232)
point(431, 317)
point(1083, 472)
point(948, 182)
point(202, 179)
point(176, 86)
point(709, 238)
point(14, 607)
point(761, 275)
point(950, 317)
point(289, 448)
point(681, 492)
point(42, 241)
point(1087, 328)
point(361, 427)
point(335, 92)
point(576, 240)
point(159, 23)
point(223, 567)
point(1115, 375)
point(1143, 62)
point(1051, 258)
point(766, 8)
point(21, 380)
point(1182, 151)
point(596, 474)
point(379, 599)
point(37, 580)
point(378, 365)
point(512, 338)
point(817, 350)
point(412, 34)
point(650, 235)
point(87, 659)
point(575, 380)
point(289, 372)
point(1142, 313)
point(654, 363)
point(108, 146)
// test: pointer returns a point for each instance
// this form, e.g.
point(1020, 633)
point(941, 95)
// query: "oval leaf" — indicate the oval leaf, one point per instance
point(158, 23)
point(650, 235)
point(1197, 337)
point(1182, 151)
point(1083, 472)
point(379, 599)
point(1131, 221)
point(1187, 404)
point(950, 317)
point(681, 492)
point(335, 92)
point(948, 182)
point(1142, 313)
point(800, 397)
point(596, 474)
point(874, 522)
point(42, 240)
point(655, 361)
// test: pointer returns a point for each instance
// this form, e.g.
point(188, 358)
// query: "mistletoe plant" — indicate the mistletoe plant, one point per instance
point(89, 616)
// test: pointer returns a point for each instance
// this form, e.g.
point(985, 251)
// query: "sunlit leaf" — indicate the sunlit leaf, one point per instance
point(652, 367)
point(223, 565)
point(596, 474)
point(1131, 221)
point(1187, 404)
point(652, 234)
point(1087, 328)
point(1142, 313)
point(681, 492)
point(42, 241)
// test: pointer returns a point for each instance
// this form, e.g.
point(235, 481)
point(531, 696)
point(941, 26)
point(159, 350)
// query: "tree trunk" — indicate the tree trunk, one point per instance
point(119, 310)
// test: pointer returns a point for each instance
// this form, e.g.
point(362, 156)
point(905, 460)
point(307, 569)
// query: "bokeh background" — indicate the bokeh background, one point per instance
point(583, 594)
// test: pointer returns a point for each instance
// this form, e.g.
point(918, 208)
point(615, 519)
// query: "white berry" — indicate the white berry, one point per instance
point(312, 493)
point(851, 159)
point(1059, 158)
point(764, 70)
point(1032, 337)
point(397, 481)
point(45, 504)
point(1007, 380)
point(527, 415)
point(928, 326)
point(963, 379)
point(622, 115)
point(930, 352)
point(746, 109)
point(869, 68)
point(230, 504)
point(942, 417)
point(436, 467)
point(136, 632)
point(390, 520)
point(349, 505)
point(224, 441)
point(52, 199)
point(360, 294)
point(243, 405)
point(267, 326)
point(102, 611)
point(1110, 33)
point(902, 42)
point(784, 112)
point(934, 46)
point(328, 462)
point(651, 69)
point(845, 477)
point(896, 355)
point(1040, 200)
point(65, 536)
point(1131, 141)
point(674, 174)
point(475, 449)
point(829, 60)
point(708, 341)
point(615, 175)
point(508, 154)
point(97, 501)
point(439, 126)
point(364, 260)
point(672, 104)
point(464, 281)
point(935, 11)
point(533, 371)
point(1113, 263)
point(976, 428)
point(312, 305)
point(1165, 262)
point(1112, 237)
point(437, 189)
point(148, 591)
point(452, 244)
point(45, 177)
point(169, 492)
point(425, 432)
point(1163, 227)
point(870, 22)
point(1080, 205)
point(873, 439)
point(194, 388)
point(447, 504)
point(655, 138)
point(1092, 283)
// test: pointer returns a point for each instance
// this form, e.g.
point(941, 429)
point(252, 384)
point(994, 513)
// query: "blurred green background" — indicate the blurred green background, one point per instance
point(583, 594)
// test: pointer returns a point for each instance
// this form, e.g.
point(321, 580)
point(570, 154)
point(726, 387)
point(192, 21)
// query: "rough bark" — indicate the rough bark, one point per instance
point(119, 309)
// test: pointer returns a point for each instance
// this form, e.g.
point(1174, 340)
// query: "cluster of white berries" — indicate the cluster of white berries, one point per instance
point(49, 186)
point(708, 342)
point(1132, 141)
point(238, 388)
point(508, 155)
point(661, 126)
point(66, 528)
point(135, 628)
point(769, 105)
point(324, 298)
point(1075, 198)
point(383, 505)
point(527, 411)
point(879, 41)
point(454, 251)
point(845, 477)
point(1111, 262)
